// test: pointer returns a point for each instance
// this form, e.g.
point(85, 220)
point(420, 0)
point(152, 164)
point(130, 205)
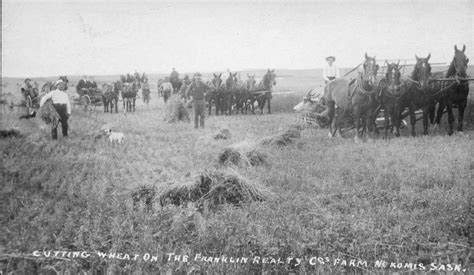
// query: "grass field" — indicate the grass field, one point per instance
point(402, 200)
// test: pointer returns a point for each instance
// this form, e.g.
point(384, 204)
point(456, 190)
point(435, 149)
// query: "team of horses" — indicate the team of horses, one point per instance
point(364, 96)
point(230, 96)
point(360, 98)
point(235, 95)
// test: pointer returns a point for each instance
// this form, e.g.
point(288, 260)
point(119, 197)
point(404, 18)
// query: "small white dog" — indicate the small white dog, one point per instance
point(115, 136)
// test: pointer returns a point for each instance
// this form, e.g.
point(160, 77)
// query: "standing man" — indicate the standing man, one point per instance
point(198, 90)
point(182, 91)
point(330, 71)
point(146, 90)
point(62, 105)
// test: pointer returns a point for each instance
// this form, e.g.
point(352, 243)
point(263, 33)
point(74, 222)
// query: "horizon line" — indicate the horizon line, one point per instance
point(204, 72)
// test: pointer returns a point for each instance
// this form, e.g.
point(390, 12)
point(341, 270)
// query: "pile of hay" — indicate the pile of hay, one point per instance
point(223, 134)
point(48, 113)
point(176, 111)
point(239, 158)
point(257, 158)
point(214, 188)
point(12, 133)
point(282, 139)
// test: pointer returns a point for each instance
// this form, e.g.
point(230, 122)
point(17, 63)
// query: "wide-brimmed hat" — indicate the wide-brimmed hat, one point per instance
point(28, 79)
point(331, 57)
point(59, 82)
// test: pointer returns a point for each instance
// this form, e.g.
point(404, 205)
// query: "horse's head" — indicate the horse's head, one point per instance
point(231, 80)
point(216, 80)
point(459, 63)
point(269, 79)
point(422, 71)
point(392, 76)
point(370, 70)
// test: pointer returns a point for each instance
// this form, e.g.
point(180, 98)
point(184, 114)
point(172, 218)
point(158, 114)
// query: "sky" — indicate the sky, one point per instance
point(48, 38)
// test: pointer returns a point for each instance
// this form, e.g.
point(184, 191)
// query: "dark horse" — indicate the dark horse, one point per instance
point(251, 86)
point(458, 92)
point(214, 97)
point(418, 93)
point(176, 83)
point(264, 89)
point(391, 91)
point(129, 96)
point(358, 95)
point(243, 94)
point(238, 93)
point(229, 93)
point(110, 96)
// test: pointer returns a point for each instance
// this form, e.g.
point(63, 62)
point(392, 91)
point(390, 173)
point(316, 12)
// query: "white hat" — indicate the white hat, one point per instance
point(59, 82)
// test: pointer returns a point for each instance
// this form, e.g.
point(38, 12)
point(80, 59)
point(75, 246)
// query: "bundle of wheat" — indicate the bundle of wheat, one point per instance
point(214, 188)
point(49, 114)
point(176, 111)
point(257, 158)
point(181, 193)
point(223, 134)
point(282, 139)
point(230, 156)
point(253, 157)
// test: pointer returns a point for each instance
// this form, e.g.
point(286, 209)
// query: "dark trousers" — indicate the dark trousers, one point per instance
point(330, 78)
point(62, 111)
point(199, 107)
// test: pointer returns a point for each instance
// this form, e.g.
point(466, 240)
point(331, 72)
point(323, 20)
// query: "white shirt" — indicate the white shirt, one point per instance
point(330, 71)
point(58, 97)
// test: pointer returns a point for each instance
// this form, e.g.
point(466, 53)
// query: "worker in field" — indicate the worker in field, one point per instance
point(197, 90)
point(146, 90)
point(62, 105)
point(182, 91)
point(27, 88)
point(330, 71)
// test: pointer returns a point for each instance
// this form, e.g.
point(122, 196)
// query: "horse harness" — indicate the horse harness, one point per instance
point(359, 88)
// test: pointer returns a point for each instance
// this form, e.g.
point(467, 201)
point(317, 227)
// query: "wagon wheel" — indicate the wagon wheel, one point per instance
point(29, 105)
point(85, 101)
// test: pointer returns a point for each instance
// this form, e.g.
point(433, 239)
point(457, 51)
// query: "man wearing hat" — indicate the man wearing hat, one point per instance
point(82, 87)
point(27, 89)
point(197, 90)
point(330, 71)
point(62, 105)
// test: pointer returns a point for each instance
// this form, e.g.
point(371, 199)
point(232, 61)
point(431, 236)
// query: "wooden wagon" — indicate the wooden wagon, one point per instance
point(88, 98)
